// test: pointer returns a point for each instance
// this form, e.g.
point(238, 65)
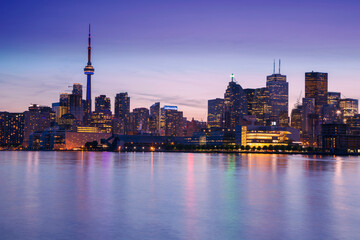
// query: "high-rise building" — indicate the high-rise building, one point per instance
point(154, 119)
point(122, 112)
point(77, 89)
point(279, 98)
point(102, 121)
point(261, 106)
point(37, 118)
point(316, 87)
point(308, 121)
point(88, 71)
point(102, 104)
point(250, 96)
point(333, 98)
point(296, 117)
point(11, 129)
point(349, 107)
point(171, 121)
point(140, 120)
point(216, 109)
point(235, 104)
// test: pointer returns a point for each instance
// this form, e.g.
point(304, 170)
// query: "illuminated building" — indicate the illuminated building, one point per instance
point(75, 107)
point(154, 119)
point(77, 140)
point(216, 112)
point(260, 136)
point(309, 120)
point(87, 129)
point(102, 121)
point(37, 118)
point(261, 107)
point(296, 117)
point(250, 96)
point(335, 138)
point(349, 107)
point(171, 121)
point(333, 98)
point(48, 139)
point(122, 112)
point(235, 104)
point(11, 129)
point(194, 126)
point(88, 71)
point(316, 86)
point(140, 120)
point(77, 89)
point(67, 121)
point(102, 104)
point(279, 97)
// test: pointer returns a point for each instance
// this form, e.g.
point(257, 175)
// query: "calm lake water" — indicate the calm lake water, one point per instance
point(88, 195)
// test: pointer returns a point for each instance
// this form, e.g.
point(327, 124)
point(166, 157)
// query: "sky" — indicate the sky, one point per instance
point(178, 52)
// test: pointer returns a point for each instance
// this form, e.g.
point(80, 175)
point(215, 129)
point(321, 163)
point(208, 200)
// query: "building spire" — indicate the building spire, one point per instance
point(274, 67)
point(232, 77)
point(279, 65)
point(89, 48)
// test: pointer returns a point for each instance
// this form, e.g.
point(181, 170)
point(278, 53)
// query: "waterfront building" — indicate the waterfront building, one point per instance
point(140, 120)
point(172, 123)
point(316, 87)
point(296, 117)
point(261, 108)
point(260, 136)
point(122, 112)
point(11, 129)
point(308, 121)
point(194, 126)
point(67, 121)
point(37, 118)
point(102, 104)
point(154, 119)
point(349, 107)
point(88, 71)
point(235, 104)
point(278, 89)
point(216, 109)
point(102, 121)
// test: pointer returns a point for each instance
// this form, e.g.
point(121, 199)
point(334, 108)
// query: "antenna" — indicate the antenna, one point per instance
point(279, 65)
point(274, 67)
point(232, 77)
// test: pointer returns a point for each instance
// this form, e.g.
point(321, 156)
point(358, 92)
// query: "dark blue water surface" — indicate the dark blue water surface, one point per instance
point(101, 195)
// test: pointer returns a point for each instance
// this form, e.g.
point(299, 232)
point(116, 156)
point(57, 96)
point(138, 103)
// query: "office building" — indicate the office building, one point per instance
point(122, 113)
point(11, 129)
point(235, 104)
point(102, 104)
point(154, 119)
point(216, 111)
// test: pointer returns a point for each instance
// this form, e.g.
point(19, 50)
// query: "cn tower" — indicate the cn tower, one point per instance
point(88, 71)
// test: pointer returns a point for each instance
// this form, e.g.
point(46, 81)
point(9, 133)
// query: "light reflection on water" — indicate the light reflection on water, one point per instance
point(88, 195)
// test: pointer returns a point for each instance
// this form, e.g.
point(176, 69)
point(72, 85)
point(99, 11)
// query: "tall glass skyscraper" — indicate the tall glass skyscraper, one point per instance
point(316, 86)
point(278, 98)
point(235, 104)
point(215, 112)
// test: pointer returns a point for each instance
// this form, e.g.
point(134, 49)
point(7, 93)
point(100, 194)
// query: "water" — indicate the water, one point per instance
point(86, 195)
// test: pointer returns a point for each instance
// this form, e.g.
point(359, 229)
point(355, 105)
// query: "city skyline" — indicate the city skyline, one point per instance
point(175, 57)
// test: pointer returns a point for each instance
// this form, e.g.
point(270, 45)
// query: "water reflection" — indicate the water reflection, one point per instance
point(77, 195)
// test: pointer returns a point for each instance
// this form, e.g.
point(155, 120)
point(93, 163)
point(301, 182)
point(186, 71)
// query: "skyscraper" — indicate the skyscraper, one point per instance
point(235, 104)
point(102, 104)
point(140, 119)
point(11, 129)
point(279, 98)
point(154, 119)
point(316, 86)
point(122, 112)
point(88, 71)
point(215, 112)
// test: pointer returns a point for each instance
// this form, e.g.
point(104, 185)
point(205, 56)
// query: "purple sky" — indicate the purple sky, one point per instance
point(176, 52)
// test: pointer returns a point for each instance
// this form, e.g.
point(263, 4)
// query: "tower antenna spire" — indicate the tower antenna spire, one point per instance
point(89, 48)
point(274, 67)
point(232, 77)
point(279, 65)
